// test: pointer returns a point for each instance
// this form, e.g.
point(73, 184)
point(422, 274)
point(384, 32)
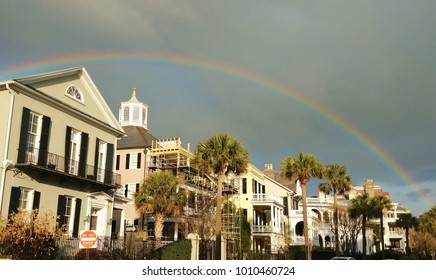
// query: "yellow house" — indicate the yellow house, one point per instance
point(57, 151)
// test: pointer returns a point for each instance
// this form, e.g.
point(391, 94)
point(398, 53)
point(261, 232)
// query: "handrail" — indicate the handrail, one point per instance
point(51, 161)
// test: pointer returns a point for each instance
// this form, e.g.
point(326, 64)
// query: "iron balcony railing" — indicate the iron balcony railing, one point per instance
point(57, 163)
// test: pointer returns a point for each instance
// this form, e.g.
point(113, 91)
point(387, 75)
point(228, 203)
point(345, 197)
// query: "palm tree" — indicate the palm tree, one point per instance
point(302, 168)
point(427, 225)
point(338, 182)
point(160, 196)
point(381, 203)
point(361, 207)
point(406, 221)
point(220, 155)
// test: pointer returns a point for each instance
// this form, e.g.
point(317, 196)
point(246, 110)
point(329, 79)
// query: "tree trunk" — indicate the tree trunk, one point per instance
point(218, 227)
point(407, 242)
point(159, 219)
point(382, 235)
point(305, 223)
point(335, 221)
point(364, 237)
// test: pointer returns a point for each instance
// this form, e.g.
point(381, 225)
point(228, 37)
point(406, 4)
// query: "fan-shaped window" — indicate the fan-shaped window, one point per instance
point(74, 92)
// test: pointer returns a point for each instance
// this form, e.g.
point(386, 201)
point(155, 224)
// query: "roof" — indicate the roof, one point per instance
point(29, 85)
point(277, 176)
point(136, 137)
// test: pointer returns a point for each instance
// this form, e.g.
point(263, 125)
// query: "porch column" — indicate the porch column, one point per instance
point(122, 223)
point(176, 231)
point(273, 220)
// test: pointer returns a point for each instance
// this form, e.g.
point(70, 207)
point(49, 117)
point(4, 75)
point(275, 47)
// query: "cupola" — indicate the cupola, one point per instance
point(133, 112)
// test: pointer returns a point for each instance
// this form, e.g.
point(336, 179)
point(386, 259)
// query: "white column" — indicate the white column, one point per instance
point(176, 231)
point(272, 216)
point(122, 223)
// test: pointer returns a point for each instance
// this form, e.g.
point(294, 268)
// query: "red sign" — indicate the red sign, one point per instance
point(88, 239)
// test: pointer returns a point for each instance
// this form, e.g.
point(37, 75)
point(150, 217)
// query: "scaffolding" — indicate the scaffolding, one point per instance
point(168, 154)
point(231, 218)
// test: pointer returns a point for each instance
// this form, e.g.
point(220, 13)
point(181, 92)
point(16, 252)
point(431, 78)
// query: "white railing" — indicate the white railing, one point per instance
point(266, 229)
point(396, 233)
point(298, 240)
point(312, 200)
point(266, 197)
point(299, 213)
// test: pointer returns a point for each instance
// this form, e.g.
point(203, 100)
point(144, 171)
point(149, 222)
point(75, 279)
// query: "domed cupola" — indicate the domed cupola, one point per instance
point(133, 112)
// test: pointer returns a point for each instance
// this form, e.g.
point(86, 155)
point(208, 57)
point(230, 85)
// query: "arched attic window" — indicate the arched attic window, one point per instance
point(75, 93)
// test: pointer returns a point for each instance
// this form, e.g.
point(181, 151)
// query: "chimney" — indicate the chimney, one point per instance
point(269, 170)
point(369, 187)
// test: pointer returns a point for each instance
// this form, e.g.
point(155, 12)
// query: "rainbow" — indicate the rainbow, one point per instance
point(94, 58)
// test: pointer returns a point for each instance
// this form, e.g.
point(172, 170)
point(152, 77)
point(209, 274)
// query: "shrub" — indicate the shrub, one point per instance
point(29, 235)
point(178, 250)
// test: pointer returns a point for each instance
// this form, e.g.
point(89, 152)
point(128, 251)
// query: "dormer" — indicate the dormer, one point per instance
point(133, 112)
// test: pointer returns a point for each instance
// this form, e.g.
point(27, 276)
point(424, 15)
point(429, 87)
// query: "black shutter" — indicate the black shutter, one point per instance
point(109, 163)
point(67, 149)
point(117, 165)
point(126, 190)
point(244, 185)
point(97, 148)
point(83, 154)
point(14, 201)
point(43, 143)
point(61, 210)
point(127, 161)
point(77, 217)
point(138, 165)
point(23, 135)
point(36, 199)
point(285, 202)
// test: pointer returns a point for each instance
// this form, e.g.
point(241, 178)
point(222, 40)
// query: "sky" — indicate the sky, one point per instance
point(352, 82)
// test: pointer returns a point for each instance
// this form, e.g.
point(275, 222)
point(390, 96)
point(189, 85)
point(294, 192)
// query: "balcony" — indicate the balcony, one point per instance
point(262, 197)
point(257, 229)
point(55, 164)
point(396, 233)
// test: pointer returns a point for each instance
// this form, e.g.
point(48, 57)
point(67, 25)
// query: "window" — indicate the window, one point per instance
point(75, 138)
point(94, 218)
point(126, 113)
point(76, 152)
point(133, 161)
point(130, 190)
point(136, 114)
point(101, 162)
point(117, 164)
point(68, 213)
point(144, 117)
point(244, 185)
point(34, 132)
point(74, 92)
point(24, 198)
point(34, 136)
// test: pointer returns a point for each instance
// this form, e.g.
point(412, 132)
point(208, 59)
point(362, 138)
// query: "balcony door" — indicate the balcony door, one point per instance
point(102, 152)
point(75, 152)
point(34, 132)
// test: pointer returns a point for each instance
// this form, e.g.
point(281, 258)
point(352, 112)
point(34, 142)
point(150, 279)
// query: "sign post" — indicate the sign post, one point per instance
point(88, 240)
